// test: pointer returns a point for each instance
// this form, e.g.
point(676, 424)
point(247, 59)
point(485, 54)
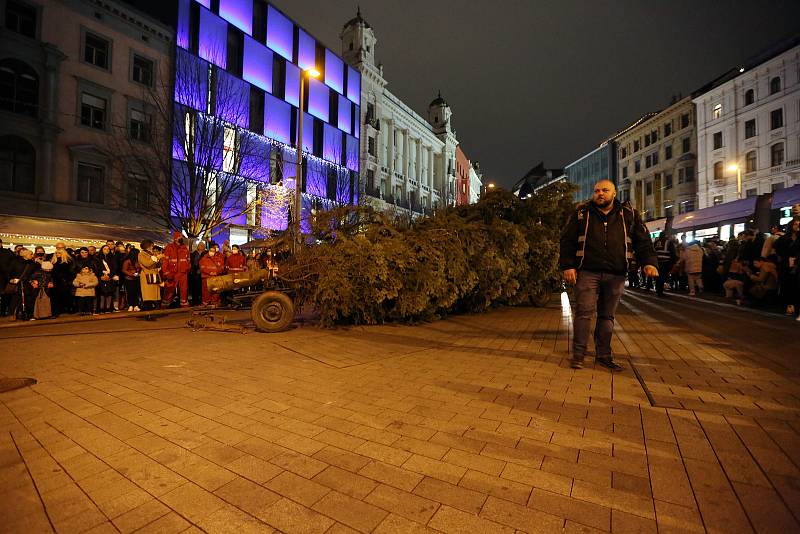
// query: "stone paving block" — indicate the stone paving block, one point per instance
point(339, 439)
point(766, 509)
point(485, 464)
point(66, 502)
point(635, 465)
point(455, 496)
point(434, 468)
point(624, 523)
point(84, 520)
point(498, 487)
point(402, 503)
point(579, 511)
point(258, 447)
point(383, 453)
point(192, 501)
point(140, 516)
point(343, 481)
point(395, 524)
point(166, 524)
point(253, 468)
point(722, 512)
point(595, 475)
point(297, 488)
point(247, 495)
point(457, 442)
point(538, 479)
point(452, 520)
point(229, 519)
point(342, 458)
point(674, 518)
point(352, 512)
point(300, 464)
point(421, 447)
point(519, 516)
point(391, 475)
point(631, 484)
point(614, 499)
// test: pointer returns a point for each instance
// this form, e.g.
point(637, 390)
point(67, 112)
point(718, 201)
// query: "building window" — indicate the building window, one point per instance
point(138, 193)
point(655, 158)
point(667, 129)
point(667, 181)
point(749, 97)
point(647, 140)
point(689, 174)
point(717, 112)
point(718, 171)
point(654, 136)
point(96, 50)
point(230, 150)
point(751, 192)
point(647, 162)
point(775, 85)
point(719, 199)
point(19, 88)
point(17, 165)
point(648, 188)
point(93, 111)
point(717, 140)
point(668, 152)
point(371, 146)
point(625, 171)
point(680, 176)
point(636, 145)
point(750, 129)
point(21, 18)
point(90, 183)
point(776, 118)
point(142, 70)
point(776, 154)
point(139, 125)
point(684, 120)
point(686, 145)
point(637, 166)
point(623, 153)
point(750, 161)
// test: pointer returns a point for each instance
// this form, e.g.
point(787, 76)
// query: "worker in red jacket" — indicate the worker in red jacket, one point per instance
point(212, 264)
point(237, 262)
point(175, 266)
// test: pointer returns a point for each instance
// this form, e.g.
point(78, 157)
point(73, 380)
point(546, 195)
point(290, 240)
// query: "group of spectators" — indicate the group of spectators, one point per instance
point(115, 277)
point(758, 268)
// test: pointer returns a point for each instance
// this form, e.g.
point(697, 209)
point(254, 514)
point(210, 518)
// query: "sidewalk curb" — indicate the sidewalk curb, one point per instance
point(105, 317)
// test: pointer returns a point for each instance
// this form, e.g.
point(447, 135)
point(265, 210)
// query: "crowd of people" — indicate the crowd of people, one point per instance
point(116, 277)
point(755, 268)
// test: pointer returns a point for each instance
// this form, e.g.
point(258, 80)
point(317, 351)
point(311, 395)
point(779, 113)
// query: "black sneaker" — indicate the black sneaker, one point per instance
point(610, 364)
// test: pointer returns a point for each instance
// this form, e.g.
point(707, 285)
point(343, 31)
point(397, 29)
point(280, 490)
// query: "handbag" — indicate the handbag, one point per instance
point(152, 278)
point(42, 308)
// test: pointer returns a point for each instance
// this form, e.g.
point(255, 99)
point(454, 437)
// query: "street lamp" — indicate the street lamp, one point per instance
point(734, 167)
point(298, 189)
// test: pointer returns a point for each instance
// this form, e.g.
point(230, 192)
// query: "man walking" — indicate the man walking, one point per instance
point(599, 240)
point(667, 254)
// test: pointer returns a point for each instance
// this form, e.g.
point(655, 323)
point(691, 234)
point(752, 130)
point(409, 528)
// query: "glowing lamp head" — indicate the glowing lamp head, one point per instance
point(313, 73)
point(490, 186)
point(733, 167)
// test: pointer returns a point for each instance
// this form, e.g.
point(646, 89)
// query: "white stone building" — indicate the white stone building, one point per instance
point(407, 161)
point(751, 118)
point(475, 182)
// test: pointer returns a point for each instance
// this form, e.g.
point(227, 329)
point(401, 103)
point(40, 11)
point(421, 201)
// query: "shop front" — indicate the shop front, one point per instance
point(783, 200)
point(31, 232)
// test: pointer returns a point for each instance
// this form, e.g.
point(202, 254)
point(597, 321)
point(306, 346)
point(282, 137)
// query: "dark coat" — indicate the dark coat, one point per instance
point(605, 247)
point(6, 260)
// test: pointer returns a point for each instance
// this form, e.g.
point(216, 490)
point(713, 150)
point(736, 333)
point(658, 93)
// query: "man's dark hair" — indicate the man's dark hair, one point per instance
point(146, 244)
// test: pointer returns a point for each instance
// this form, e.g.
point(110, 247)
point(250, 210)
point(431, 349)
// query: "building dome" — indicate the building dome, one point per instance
point(357, 20)
point(438, 101)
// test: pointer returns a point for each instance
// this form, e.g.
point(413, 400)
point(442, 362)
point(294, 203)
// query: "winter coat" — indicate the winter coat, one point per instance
point(148, 265)
point(176, 260)
point(666, 252)
point(89, 282)
point(108, 270)
point(130, 269)
point(595, 241)
point(89, 261)
point(212, 266)
point(236, 263)
point(6, 260)
point(693, 258)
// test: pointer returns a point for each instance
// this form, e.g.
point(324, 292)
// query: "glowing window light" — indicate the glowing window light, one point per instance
point(213, 38)
point(257, 64)
point(280, 33)
point(239, 13)
point(292, 93)
point(306, 50)
point(353, 85)
point(334, 72)
point(318, 99)
point(345, 108)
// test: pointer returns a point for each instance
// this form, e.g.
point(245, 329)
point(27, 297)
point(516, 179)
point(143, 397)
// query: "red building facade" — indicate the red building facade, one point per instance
point(462, 177)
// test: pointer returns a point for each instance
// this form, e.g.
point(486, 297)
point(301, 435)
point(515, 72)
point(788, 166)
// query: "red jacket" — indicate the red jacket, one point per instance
point(212, 266)
point(236, 263)
point(176, 260)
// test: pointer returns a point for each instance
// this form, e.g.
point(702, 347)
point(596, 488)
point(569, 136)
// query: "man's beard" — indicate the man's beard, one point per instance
point(604, 203)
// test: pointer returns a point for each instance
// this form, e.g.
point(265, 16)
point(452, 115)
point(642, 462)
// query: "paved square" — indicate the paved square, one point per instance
point(471, 424)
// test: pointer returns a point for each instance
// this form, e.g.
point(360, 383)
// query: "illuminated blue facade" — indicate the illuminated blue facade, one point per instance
point(241, 62)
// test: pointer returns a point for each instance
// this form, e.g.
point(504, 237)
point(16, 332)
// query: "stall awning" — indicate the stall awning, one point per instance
point(738, 209)
point(786, 198)
point(41, 231)
point(657, 225)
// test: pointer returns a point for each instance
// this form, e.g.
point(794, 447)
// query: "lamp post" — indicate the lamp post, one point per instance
point(298, 181)
point(738, 169)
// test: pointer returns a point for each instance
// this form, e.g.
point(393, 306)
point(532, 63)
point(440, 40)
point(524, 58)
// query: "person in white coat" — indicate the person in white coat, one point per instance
point(693, 265)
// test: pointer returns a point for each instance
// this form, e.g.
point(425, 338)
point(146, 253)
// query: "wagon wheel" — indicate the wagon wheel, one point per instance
point(272, 311)
point(541, 298)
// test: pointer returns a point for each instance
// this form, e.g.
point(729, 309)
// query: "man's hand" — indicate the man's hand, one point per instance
point(571, 276)
point(650, 270)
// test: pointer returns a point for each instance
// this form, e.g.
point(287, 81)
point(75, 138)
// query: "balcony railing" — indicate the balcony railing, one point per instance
point(792, 163)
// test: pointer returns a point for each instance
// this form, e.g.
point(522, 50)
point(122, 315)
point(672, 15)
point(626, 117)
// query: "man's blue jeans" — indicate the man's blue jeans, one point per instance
point(600, 291)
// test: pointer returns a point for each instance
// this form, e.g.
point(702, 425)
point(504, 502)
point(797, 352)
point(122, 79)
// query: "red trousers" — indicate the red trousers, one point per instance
point(181, 281)
point(208, 296)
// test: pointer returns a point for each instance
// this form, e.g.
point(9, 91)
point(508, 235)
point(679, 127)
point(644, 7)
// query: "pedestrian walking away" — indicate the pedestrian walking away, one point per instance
point(599, 240)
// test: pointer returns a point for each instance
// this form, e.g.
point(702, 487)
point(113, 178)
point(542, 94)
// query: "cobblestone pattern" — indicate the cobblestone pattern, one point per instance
point(474, 424)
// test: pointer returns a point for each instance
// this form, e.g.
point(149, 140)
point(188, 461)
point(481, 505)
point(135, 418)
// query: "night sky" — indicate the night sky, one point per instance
point(548, 80)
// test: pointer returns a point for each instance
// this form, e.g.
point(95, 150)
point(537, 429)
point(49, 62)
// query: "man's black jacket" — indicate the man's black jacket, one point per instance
point(605, 249)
